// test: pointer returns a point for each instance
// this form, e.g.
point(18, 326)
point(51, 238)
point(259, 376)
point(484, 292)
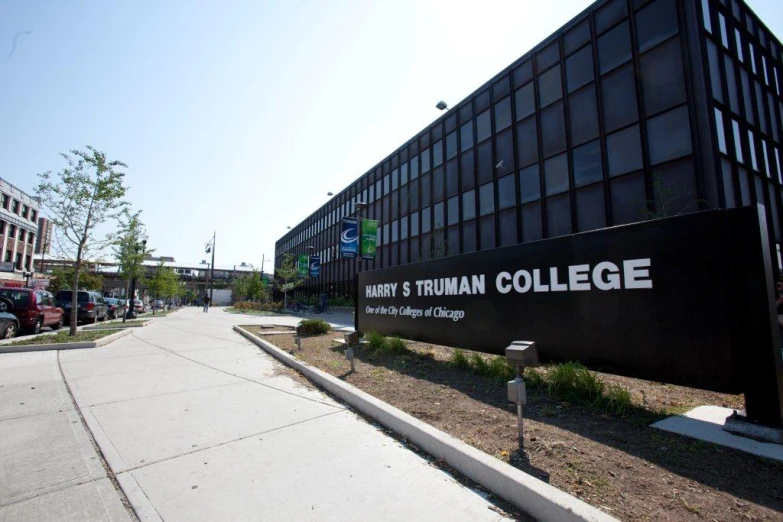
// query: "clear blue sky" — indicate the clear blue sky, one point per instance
point(240, 116)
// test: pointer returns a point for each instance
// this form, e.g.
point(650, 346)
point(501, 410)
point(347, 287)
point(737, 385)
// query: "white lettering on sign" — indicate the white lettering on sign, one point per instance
point(635, 274)
point(465, 285)
point(381, 290)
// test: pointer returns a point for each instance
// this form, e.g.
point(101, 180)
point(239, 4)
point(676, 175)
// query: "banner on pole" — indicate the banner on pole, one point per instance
point(304, 265)
point(349, 239)
point(315, 266)
point(369, 238)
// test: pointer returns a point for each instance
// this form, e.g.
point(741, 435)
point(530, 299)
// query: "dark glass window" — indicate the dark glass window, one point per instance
point(669, 135)
point(437, 184)
point(465, 112)
point(624, 151)
point(714, 66)
point(574, 38)
point(453, 210)
point(504, 153)
point(503, 114)
point(487, 224)
point(403, 174)
point(529, 184)
point(558, 215)
point(550, 86)
point(426, 220)
point(414, 167)
point(486, 199)
point(413, 249)
point(469, 236)
point(415, 224)
point(628, 199)
point(731, 84)
point(553, 130)
point(386, 184)
point(590, 211)
point(404, 201)
point(588, 167)
point(523, 73)
point(426, 189)
point(728, 184)
point(525, 101)
point(507, 191)
point(482, 101)
point(438, 219)
point(452, 180)
point(404, 227)
point(614, 48)
point(674, 186)
point(556, 174)
point(425, 160)
point(500, 88)
point(466, 132)
point(655, 23)
point(507, 225)
point(662, 77)
point(437, 153)
point(414, 195)
point(395, 179)
point(485, 165)
point(394, 203)
point(483, 127)
point(618, 92)
point(527, 142)
point(385, 207)
point(583, 115)
point(609, 14)
point(451, 145)
point(451, 123)
point(468, 176)
point(437, 132)
point(746, 96)
point(531, 222)
point(547, 57)
point(468, 204)
point(395, 231)
point(579, 68)
point(452, 236)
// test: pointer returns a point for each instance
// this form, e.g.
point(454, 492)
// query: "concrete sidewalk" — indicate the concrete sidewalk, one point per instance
point(197, 423)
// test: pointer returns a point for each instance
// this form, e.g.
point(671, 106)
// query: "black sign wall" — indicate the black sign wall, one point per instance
point(685, 300)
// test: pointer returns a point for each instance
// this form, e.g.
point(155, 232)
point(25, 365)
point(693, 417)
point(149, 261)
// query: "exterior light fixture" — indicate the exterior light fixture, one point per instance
point(441, 105)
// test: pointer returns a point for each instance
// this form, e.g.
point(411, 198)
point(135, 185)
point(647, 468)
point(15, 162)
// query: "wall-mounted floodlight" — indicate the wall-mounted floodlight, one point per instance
point(329, 194)
point(441, 105)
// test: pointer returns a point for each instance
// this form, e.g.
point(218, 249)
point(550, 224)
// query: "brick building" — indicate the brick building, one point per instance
point(18, 229)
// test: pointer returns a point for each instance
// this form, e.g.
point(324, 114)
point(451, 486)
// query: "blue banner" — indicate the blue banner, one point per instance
point(315, 266)
point(349, 239)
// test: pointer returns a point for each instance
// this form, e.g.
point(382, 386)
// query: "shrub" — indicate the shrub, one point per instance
point(533, 378)
point(573, 382)
point(459, 360)
point(376, 341)
point(479, 365)
point(500, 370)
point(396, 346)
point(618, 399)
point(314, 326)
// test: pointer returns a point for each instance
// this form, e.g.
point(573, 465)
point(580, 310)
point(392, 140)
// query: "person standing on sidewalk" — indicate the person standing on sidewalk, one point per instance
point(206, 303)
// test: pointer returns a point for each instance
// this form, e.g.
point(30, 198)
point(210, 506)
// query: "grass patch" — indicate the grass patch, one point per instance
point(62, 337)
point(233, 310)
point(314, 326)
point(380, 345)
point(572, 382)
point(496, 368)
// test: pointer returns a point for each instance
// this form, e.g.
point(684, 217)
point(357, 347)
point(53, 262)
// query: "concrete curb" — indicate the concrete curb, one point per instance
point(535, 497)
point(116, 326)
point(64, 346)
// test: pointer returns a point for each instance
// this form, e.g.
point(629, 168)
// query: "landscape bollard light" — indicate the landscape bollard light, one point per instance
point(351, 340)
point(298, 338)
point(520, 354)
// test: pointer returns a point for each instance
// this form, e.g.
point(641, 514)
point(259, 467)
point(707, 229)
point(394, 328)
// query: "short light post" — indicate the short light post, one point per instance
point(520, 354)
point(298, 338)
point(351, 340)
point(131, 313)
point(27, 275)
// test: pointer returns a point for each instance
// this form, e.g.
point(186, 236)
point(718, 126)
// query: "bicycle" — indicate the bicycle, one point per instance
point(307, 309)
point(322, 309)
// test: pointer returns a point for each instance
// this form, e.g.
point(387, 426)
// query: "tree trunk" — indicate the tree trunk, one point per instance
point(75, 293)
point(125, 302)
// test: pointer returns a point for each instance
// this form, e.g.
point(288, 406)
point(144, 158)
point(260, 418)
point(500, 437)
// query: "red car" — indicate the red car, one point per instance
point(34, 308)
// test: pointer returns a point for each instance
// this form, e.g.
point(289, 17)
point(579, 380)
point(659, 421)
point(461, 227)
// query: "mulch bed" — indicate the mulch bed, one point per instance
point(616, 463)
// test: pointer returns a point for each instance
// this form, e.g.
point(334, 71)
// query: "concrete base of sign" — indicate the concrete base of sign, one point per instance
point(738, 424)
point(707, 423)
point(539, 499)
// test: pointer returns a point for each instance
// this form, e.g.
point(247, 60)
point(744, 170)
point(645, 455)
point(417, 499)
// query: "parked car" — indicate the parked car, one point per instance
point(90, 305)
point(33, 308)
point(158, 304)
point(138, 306)
point(115, 307)
point(9, 324)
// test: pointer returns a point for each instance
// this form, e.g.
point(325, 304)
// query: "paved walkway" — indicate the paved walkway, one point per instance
point(196, 423)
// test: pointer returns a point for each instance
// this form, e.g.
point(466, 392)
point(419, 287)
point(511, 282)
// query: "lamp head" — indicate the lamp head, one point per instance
point(441, 105)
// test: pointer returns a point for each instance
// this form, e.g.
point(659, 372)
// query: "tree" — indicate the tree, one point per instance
point(239, 288)
point(62, 279)
point(287, 276)
point(164, 283)
point(255, 287)
point(129, 250)
point(84, 195)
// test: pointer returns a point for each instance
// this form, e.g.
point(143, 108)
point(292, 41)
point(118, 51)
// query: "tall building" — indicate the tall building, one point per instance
point(43, 243)
point(635, 109)
point(18, 226)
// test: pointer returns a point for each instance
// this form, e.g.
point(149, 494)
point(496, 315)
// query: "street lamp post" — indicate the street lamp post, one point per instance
point(131, 313)
point(210, 247)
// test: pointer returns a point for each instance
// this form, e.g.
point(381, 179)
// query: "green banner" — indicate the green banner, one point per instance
point(304, 265)
point(368, 238)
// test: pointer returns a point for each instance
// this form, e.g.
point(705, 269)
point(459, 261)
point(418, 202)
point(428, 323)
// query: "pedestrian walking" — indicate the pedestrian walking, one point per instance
point(206, 303)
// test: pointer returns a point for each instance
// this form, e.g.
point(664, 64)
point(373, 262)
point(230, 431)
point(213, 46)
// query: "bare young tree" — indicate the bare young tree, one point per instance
point(87, 193)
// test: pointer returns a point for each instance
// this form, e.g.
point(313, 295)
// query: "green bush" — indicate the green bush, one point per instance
point(617, 400)
point(395, 346)
point(479, 365)
point(500, 370)
point(459, 360)
point(376, 341)
point(572, 382)
point(533, 379)
point(314, 326)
